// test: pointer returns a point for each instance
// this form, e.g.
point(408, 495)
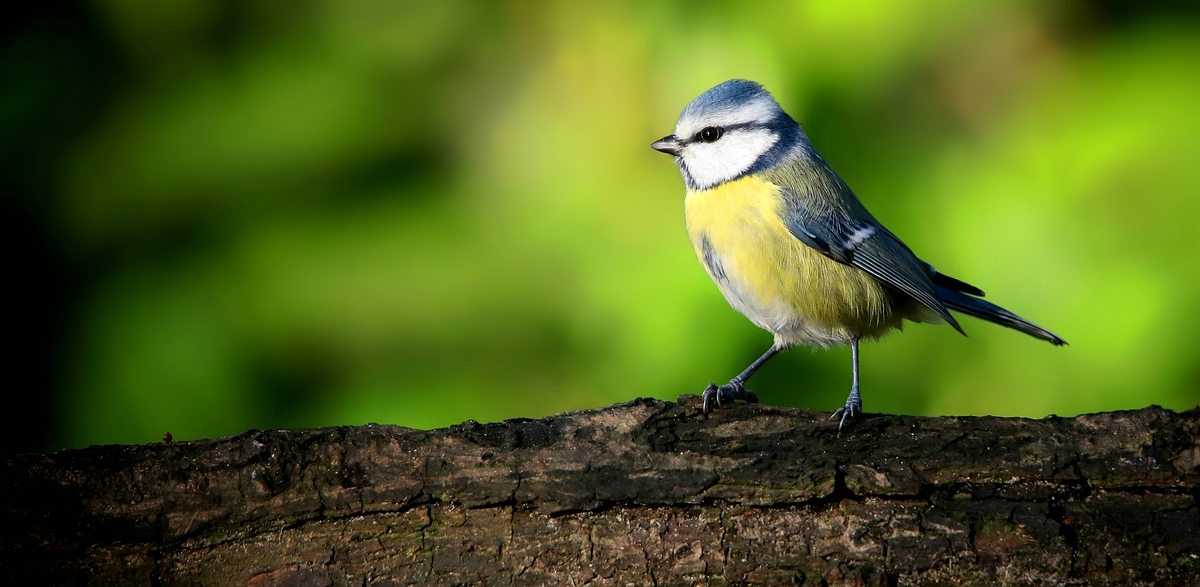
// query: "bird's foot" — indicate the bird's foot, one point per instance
point(851, 410)
point(733, 390)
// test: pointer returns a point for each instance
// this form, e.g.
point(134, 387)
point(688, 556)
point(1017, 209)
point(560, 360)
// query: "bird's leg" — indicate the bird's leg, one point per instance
point(736, 388)
point(853, 407)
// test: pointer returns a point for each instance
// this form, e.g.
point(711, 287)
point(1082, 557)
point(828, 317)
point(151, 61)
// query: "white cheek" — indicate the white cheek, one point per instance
point(710, 164)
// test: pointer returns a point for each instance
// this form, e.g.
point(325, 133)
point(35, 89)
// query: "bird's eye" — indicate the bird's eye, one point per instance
point(711, 134)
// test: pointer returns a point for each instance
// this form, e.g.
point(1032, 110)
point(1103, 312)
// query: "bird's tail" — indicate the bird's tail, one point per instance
point(972, 306)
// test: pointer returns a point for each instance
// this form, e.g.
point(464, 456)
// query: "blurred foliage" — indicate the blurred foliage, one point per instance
point(298, 214)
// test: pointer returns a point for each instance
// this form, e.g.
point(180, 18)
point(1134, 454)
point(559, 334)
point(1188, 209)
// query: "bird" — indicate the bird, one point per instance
point(792, 248)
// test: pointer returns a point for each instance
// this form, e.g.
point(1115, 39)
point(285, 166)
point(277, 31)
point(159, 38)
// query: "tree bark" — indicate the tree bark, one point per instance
point(641, 493)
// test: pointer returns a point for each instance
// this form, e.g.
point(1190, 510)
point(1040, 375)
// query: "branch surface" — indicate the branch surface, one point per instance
point(642, 493)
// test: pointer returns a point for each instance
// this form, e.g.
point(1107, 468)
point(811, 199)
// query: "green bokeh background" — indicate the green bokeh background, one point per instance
point(300, 214)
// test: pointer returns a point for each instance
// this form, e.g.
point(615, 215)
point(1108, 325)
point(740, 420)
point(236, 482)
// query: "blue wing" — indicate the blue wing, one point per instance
point(824, 214)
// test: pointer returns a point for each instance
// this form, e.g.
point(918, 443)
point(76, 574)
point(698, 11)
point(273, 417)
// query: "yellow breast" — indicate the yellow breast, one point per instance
point(777, 281)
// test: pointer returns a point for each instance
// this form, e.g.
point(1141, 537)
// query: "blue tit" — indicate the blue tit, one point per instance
point(792, 248)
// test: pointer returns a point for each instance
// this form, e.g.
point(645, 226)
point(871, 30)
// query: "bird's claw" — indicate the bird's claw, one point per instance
point(851, 410)
point(734, 390)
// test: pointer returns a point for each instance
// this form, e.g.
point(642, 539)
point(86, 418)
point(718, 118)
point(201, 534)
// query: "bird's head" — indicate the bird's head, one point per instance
point(728, 131)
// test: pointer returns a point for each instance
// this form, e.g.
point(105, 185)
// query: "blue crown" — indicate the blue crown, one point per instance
point(728, 94)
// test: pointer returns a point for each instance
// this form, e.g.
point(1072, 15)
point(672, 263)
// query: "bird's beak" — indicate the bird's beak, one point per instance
point(668, 144)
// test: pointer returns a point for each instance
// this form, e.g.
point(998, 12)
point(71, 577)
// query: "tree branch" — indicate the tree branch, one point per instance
point(643, 493)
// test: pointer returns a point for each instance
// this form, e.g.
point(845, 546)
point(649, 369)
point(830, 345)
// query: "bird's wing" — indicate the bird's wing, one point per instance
point(822, 212)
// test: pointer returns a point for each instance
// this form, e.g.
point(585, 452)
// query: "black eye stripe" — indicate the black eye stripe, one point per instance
point(724, 129)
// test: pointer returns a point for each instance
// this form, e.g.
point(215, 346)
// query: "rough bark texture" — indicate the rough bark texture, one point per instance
point(643, 493)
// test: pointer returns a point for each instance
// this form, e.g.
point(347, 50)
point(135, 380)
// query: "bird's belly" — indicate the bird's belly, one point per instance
point(772, 278)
